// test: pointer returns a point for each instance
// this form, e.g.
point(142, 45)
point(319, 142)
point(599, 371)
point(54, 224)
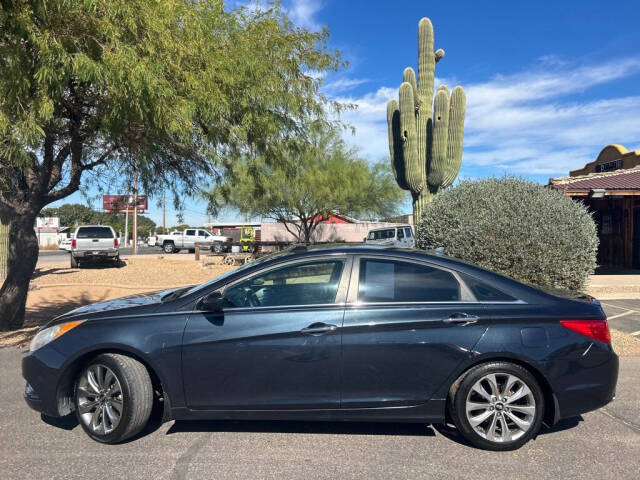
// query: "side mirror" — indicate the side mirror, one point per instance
point(212, 303)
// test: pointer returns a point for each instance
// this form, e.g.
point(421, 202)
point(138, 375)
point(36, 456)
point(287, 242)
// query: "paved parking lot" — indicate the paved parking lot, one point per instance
point(604, 444)
point(623, 315)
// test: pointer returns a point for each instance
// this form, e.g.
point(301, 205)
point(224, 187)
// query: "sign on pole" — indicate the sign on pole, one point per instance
point(123, 203)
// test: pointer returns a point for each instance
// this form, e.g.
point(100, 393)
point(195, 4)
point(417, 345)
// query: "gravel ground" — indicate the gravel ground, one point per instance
point(143, 272)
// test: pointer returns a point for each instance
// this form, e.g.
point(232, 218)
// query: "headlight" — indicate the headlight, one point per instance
point(49, 334)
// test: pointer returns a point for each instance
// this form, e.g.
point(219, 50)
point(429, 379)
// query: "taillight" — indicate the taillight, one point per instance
point(596, 329)
point(115, 243)
point(73, 243)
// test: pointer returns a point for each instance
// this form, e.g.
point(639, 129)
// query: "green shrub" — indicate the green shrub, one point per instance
point(515, 227)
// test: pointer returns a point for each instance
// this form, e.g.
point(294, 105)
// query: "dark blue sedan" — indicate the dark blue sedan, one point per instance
point(339, 333)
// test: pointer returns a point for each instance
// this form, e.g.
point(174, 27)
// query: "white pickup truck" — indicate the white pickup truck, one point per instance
point(91, 243)
point(188, 239)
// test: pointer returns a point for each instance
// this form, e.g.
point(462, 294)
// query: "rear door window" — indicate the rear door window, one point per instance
point(400, 234)
point(398, 281)
point(484, 292)
point(191, 233)
point(94, 232)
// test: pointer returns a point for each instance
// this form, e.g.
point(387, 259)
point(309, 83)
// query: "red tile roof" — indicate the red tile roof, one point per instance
point(618, 180)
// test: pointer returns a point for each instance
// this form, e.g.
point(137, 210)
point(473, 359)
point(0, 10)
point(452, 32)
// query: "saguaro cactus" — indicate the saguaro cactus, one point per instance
point(425, 144)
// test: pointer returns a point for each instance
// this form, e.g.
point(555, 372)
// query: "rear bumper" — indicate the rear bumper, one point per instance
point(593, 384)
point(91, 254)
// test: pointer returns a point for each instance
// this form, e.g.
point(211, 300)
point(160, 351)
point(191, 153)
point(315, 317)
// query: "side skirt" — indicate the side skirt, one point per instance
point(430, 412)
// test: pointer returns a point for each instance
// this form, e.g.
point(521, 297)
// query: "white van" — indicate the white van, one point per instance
point(400, 236)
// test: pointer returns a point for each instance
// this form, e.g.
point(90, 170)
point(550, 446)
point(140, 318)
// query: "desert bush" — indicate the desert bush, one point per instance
point(514, 227)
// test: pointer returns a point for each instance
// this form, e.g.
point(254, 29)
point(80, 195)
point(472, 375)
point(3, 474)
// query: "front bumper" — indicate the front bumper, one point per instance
point(42, 370)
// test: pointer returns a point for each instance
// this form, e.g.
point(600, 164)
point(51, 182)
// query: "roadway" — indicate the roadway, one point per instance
point(604, 444)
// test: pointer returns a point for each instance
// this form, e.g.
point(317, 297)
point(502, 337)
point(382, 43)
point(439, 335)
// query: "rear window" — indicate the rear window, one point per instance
point(94, 232)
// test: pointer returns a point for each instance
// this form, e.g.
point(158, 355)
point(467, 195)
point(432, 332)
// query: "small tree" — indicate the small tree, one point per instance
point(514, 227)
point(313, 181)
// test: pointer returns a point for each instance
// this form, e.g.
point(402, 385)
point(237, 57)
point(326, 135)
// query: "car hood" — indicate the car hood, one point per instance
point(131, 301)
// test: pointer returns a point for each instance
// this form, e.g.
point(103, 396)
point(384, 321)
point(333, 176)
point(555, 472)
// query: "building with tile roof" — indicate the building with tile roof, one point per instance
point(610, 187)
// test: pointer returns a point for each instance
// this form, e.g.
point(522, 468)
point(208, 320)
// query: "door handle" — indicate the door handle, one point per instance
point(318, 328)
point(462, 317)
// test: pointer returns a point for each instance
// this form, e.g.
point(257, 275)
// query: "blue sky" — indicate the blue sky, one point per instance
point(549, 83)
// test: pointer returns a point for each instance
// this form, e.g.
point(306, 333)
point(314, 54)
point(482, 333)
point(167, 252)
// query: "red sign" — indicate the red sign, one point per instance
point(123, 203)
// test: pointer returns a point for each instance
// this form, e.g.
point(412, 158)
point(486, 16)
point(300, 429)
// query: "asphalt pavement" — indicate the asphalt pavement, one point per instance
point(604, 444)
point(623, 315)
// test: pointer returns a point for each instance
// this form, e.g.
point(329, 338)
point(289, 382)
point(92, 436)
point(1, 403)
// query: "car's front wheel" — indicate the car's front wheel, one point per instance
point(497, 406)
point(168, 247)
point(113, 398)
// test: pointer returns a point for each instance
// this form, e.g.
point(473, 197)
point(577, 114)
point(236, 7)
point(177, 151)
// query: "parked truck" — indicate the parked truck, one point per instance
point(188, 239)
point(94, 243)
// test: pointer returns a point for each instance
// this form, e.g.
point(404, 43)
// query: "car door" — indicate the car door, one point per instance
point(189, 238)
point(277, 343)
point(407, 325)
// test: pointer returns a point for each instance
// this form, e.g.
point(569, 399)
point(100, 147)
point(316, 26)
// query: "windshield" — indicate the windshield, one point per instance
point(234, 271)
point(94, 232)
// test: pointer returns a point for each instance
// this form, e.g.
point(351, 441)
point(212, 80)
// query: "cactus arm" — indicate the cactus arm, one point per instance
point(409, 76)
point(438, 163)
point(395, 143)
point(412, 166)
point(454, 141)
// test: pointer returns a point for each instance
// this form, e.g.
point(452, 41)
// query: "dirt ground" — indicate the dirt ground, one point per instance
point(56, 289)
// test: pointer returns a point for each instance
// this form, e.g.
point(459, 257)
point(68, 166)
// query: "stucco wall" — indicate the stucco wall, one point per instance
point(335, 232)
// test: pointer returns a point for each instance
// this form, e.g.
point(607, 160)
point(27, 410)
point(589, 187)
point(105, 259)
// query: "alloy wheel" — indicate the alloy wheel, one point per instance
point(100, 401)
point(500, 407)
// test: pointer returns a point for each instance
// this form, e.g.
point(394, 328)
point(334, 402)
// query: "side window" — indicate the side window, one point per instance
point(397, 281)
point(408, 232)
point(301, 284)
point(400, 234)
point(201, 233)
point(484, 292)
point(190, 232)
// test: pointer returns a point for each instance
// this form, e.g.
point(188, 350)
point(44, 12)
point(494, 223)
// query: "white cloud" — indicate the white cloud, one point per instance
point(341, 85)
point(534, 122)
point(302, 12)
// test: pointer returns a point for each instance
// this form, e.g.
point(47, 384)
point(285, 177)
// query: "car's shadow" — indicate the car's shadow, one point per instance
point(339, 428)
point(450, 432)
point(69, 422)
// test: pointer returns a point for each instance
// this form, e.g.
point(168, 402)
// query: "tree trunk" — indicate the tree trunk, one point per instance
point(21, 263)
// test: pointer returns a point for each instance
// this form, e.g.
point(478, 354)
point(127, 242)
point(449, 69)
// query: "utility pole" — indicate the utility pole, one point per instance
point(135, 211)
point(126, 222)
point(164, 211)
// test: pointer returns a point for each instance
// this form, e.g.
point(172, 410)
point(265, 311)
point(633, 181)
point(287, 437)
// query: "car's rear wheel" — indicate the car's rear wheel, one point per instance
point(497, 406)
point(113, 398)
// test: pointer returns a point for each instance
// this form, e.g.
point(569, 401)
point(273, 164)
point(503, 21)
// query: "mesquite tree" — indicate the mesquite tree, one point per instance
point(327, 177)
point(173, 89)
point(425, 145)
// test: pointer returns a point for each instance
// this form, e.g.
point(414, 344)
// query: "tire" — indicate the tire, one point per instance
point(168, 247)
point(217, 247)
point(192, 250)
point(132, 393)
point(74, 262)
point(503, 425)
